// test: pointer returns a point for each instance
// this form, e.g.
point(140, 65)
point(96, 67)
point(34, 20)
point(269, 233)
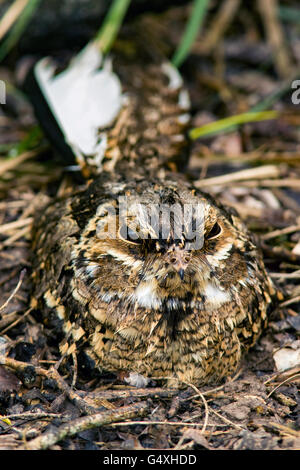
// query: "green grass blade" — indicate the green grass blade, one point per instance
point(289, 14)
point(227, 123)
point(193, 27)
point(256, 113)
point(30, 141)
point(18, 28)
point(111, 25)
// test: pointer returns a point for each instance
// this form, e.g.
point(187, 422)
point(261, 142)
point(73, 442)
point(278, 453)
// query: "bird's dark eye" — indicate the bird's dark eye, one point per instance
point(130, 235)
point(214, 231)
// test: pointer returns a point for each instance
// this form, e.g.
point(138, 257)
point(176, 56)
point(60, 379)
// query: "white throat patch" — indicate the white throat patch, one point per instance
point(215, 296)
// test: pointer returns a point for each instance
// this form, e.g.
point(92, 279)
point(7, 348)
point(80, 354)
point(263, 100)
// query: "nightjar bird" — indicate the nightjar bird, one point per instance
point(135, 299)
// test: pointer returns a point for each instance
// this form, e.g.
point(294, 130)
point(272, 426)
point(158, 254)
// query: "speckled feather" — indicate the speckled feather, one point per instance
point(149, 307)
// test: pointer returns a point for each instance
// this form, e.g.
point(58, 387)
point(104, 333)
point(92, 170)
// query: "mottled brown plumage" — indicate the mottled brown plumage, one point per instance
point(151, 306)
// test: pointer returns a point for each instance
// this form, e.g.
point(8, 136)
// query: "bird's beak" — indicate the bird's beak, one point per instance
point(181, 273)
point(178, 259)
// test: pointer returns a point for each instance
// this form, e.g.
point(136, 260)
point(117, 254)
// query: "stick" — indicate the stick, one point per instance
point(132, 393)
point(217, 29)
point(7, 165)
point(266, 171)
point(11, 15)
point(268, 10)
point(50, 438)
point(52, 373)
point(16, 224)
point(15, 290)
point(284, 231)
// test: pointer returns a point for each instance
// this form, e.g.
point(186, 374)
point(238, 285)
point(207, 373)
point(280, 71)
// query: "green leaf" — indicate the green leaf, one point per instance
point(192, 29)
point(30, 141)
point(111, 25)
point(227, 123)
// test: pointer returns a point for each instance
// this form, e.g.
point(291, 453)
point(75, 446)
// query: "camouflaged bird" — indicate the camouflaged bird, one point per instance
point(140, 303)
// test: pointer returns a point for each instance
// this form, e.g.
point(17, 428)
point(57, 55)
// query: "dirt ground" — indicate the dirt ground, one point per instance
point(247, 60)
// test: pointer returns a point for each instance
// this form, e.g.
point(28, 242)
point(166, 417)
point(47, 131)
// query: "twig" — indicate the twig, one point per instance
point(205, 406)
point(244, 210)
point(281, 383)
point(7, 319)
point(17, 29)
point(75, 365)
point(105, 418)
point(7, 165)
point(132, 393)
point(268, 10)
point(287, 373)
point(16, 224)
point(258, 155)
point(52, 373)
point(294, 275)
point(22, 274)
point(278, 233)
point(82, 404)
point(14, 322)
point(32, 416)
point(11, 15)
point(18, 234)
point(266, 171)
point(168, 423)
point(216, 30)
point(290, 301)
point(285, 429)
point(276, 183)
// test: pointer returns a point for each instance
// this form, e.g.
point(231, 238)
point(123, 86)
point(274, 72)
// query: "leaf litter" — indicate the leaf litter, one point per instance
point(45, 402)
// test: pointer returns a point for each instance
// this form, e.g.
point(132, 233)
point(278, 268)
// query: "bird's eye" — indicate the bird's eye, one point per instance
point(129, 235)
point(214, 231)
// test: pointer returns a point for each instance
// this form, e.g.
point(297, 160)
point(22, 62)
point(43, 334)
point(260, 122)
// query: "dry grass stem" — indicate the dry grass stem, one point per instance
point(282, 383)
point(217, 29)
point(168, 423)
point(21, 233)
point(268, 10)
point(278, 233)
point(266, 171)
point(291, 301)
point(13, 323)
point(14, 225)
point(11, 16)
point(205, 406)
point(276, 183)
point(12, 163)
point(71, 428)
point(22, 274)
